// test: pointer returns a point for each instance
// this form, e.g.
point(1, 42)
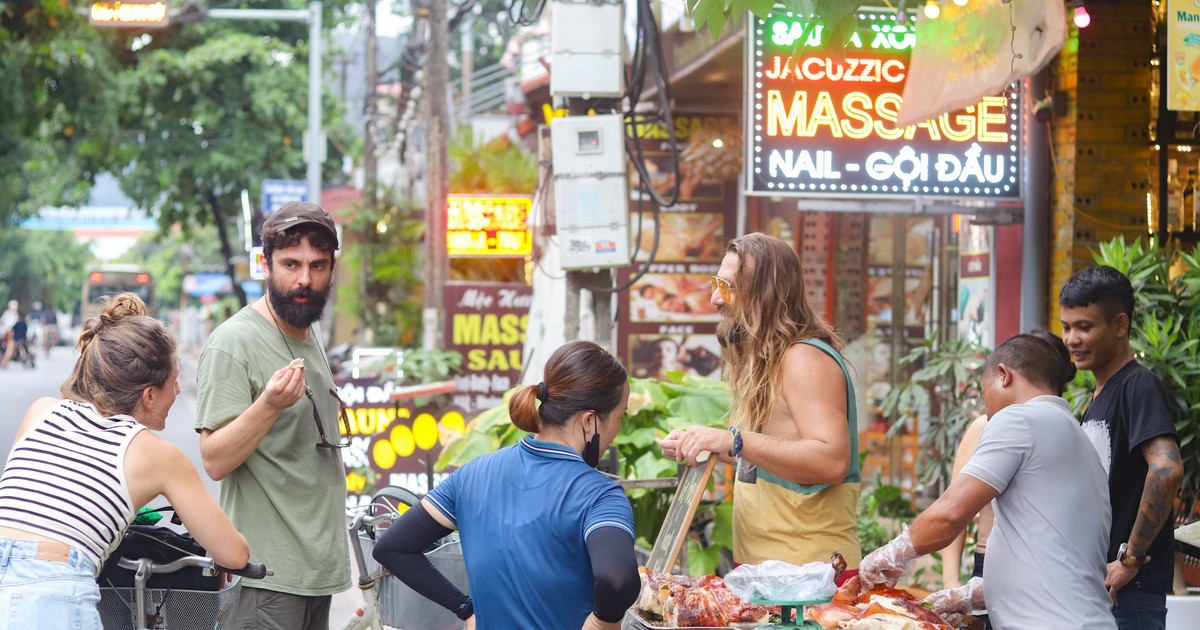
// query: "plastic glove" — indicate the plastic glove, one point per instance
point(886, 564)
point(952, 603)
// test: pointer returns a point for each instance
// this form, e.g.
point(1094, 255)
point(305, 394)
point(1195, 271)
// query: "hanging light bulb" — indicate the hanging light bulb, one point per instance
point(1082, 18)
point(961, 3)
point(932, 10)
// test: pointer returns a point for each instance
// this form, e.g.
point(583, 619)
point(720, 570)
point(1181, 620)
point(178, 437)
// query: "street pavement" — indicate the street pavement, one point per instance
point(20, 386)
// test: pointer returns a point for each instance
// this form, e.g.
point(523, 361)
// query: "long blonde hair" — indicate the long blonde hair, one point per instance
point(770, 312)
point(121, 353)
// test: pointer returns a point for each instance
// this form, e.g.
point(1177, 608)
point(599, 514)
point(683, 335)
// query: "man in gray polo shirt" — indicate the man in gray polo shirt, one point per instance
point(1046, 555)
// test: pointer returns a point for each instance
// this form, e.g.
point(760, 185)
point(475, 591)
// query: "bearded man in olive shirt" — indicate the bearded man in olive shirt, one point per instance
point(263, 427)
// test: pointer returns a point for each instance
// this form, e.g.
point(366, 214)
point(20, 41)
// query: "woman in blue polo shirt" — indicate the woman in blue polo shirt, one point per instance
point(547, 540)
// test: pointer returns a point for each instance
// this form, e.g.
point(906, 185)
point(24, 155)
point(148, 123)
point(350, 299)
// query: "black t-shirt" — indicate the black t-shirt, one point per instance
point(1129, 411)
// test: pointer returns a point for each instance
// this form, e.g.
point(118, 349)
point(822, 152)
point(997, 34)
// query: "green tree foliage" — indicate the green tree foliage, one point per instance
point(389, 300)
point(41, 265)
point(210, 121)
point(495, 167)
point(58, 114)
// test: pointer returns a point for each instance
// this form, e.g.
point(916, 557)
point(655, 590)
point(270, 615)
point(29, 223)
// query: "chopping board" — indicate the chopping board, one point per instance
point(679, 516)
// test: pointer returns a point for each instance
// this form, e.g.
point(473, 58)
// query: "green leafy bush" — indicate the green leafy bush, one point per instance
point(946, 385)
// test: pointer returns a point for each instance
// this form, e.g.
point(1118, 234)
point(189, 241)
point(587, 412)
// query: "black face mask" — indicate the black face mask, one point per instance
point(591, 450)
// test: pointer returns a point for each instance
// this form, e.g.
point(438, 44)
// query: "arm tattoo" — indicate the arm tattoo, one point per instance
point(1158, 495)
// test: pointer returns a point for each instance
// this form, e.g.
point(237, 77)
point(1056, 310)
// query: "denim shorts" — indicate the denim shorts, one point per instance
point(46, 593)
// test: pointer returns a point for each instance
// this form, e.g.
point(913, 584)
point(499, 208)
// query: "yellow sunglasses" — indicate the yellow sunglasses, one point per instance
point(724, 286)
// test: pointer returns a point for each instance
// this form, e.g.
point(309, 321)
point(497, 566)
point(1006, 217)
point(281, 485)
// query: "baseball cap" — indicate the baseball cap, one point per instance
point(295, 213)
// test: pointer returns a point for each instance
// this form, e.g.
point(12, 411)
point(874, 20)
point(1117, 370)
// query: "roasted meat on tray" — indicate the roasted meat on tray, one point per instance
point(678, 601)
point(879, 608)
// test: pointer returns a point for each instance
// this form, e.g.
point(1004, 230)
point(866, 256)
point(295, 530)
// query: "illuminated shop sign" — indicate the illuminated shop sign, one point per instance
point(823, 123)
point(128, 13)
point(488, 226)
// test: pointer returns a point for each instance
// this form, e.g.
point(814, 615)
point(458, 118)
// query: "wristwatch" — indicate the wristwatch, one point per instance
point(1129, 561)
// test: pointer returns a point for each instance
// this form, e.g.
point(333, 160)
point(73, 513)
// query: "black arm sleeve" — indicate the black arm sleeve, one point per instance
point(615, 569)
point(401, 550)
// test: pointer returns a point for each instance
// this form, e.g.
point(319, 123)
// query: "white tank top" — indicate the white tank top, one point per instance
point(65, 479)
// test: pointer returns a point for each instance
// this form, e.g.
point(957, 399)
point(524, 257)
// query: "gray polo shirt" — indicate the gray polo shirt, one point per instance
point(1046, 556)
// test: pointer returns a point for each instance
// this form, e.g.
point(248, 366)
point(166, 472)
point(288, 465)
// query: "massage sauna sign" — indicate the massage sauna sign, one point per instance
point(824, 125)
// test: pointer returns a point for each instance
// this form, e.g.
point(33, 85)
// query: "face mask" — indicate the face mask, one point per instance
point(591, 450)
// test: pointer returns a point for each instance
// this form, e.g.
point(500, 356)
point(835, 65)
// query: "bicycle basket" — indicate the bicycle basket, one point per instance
point(160, 544)
point(402, 607)
point(181, 609)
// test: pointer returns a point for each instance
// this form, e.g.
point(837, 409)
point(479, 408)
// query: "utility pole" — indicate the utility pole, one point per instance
point(437, 77)
point(467, 43)
point(366, 332)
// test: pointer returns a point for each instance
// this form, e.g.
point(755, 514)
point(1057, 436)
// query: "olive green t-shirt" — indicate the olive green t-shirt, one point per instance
point(289, 497)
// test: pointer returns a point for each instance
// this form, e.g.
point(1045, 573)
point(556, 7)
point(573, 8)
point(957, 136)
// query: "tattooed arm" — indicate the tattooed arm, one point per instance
point(1165, 468)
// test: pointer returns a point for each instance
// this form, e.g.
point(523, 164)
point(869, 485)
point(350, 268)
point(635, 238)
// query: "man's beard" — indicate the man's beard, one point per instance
point(297, 315)
point(731, 332)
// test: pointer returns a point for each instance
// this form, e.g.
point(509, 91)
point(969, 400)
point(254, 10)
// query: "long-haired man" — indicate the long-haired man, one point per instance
point(792, 430)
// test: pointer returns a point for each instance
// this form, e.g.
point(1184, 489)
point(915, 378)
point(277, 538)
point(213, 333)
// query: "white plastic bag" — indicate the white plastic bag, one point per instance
point(782, 582)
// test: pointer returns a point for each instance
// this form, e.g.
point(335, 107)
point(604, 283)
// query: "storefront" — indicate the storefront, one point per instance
point(904, 233)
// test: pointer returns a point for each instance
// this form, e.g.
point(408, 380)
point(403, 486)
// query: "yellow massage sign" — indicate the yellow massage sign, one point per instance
point(128, 13)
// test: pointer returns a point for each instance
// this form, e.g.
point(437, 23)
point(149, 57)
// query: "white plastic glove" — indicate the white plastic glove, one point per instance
point(886, 564)
point(953, 603)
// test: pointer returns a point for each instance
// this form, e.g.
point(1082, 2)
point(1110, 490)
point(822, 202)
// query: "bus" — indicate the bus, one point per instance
point(113, 279)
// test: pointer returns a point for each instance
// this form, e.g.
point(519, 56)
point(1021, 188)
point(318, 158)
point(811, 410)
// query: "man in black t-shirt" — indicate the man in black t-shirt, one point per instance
point(1130, 424)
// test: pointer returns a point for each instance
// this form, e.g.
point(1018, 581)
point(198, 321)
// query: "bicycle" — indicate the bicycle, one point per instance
point(156, 579)
point(191, 609)
point(389, 601)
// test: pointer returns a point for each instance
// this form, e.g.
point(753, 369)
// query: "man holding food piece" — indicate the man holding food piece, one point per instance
point(793, 427)
point(266, 412)
point(1046, 553)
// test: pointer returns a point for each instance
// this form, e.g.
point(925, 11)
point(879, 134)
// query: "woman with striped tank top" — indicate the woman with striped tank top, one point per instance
point(82, 465)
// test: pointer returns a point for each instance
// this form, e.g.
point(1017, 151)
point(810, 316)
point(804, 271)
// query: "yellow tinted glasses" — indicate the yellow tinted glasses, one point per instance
point(724, 287)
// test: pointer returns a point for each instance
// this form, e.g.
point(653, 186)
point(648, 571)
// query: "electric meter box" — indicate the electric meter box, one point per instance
point(591, 199)
point(585, 50)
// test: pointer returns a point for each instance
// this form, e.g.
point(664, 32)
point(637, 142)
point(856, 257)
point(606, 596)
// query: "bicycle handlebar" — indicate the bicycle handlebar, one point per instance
point(364, 519)
point(255, 570)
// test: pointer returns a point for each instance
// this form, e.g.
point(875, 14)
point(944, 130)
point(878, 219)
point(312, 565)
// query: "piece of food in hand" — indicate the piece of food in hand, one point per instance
point(839, 564)
point(296, 363)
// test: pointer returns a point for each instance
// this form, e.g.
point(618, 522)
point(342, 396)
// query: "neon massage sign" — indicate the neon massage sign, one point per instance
point(823, 125)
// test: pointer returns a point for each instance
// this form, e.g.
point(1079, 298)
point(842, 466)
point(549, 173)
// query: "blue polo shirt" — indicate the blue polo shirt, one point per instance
point(524, 514)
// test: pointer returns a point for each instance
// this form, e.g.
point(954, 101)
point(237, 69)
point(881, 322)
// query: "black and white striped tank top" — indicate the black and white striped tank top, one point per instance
point(65, 479)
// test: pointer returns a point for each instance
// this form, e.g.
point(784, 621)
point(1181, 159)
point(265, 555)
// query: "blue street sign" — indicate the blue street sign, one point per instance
point(276, 192)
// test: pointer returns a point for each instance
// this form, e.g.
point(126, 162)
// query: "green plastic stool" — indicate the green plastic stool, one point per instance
point(791, 613)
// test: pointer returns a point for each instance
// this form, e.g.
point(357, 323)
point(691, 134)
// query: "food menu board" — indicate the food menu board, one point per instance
point(666, 321)
point(486, 322)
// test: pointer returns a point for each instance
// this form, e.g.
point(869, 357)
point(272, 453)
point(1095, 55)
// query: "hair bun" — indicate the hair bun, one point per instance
point(116, 307)
point(123, 305)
